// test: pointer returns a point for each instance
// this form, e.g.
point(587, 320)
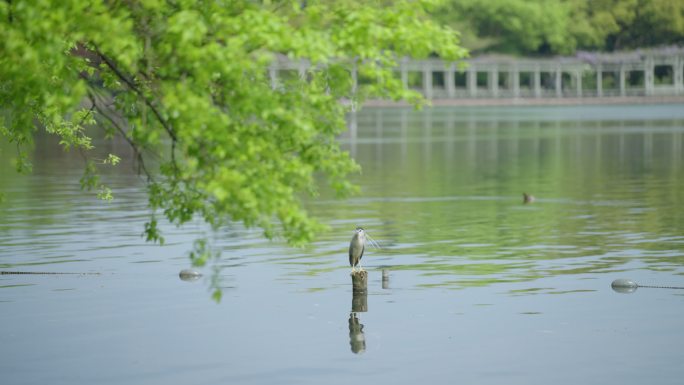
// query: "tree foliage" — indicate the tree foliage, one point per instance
point(512, 26)
point(563, 26)
point(186, 83)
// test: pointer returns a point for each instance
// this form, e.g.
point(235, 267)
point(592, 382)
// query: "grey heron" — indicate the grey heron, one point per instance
point(357, 246)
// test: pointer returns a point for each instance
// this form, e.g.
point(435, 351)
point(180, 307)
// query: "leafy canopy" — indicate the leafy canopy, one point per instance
point(186, 83)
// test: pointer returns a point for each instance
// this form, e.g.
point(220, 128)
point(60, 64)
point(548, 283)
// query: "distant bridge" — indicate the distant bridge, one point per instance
point(645, 73)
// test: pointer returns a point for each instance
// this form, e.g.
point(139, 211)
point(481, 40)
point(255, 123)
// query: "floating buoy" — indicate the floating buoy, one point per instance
point(622, 285)
point(621, 282)
point(189, 275)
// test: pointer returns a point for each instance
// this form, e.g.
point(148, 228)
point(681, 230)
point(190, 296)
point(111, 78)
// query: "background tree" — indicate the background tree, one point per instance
point(534, 27)
point(626, 24)
point(654, 22)
point(510, 26)
point(187, 82)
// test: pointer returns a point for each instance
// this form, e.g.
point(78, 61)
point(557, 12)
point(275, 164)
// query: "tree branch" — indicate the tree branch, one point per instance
point(131, 85)
point(134, 146)
point(90, 111)
point(138, 91)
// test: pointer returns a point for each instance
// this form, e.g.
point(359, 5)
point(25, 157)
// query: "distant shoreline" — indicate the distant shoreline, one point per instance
point(551, 101)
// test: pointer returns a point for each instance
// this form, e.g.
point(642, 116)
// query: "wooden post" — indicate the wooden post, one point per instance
point(359, 291)
point(360, 281)
point(385, 272)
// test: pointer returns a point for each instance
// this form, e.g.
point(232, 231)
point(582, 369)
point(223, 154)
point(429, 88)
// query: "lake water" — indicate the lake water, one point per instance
point(478, 287)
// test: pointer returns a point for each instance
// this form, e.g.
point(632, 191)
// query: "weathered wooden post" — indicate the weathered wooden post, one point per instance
point(359, 291)
point(360, 281)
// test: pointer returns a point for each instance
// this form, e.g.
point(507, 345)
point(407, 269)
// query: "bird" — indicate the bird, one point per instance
point(527, 198)
point(356, 248)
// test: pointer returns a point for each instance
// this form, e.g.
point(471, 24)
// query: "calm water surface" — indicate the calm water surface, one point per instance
point(480, 288)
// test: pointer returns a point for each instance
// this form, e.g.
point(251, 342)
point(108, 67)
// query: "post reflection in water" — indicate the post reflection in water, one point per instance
point(357, 340)
point(359, 302)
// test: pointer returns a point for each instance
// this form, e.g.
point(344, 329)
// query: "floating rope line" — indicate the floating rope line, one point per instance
point(42, 273)
point(627, 286)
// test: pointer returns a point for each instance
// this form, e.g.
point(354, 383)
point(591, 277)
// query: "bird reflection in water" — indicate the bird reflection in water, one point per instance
point(357, 339)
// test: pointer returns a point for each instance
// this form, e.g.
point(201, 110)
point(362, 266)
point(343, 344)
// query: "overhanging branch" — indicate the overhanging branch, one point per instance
point(112, 66)
point(134, 146)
